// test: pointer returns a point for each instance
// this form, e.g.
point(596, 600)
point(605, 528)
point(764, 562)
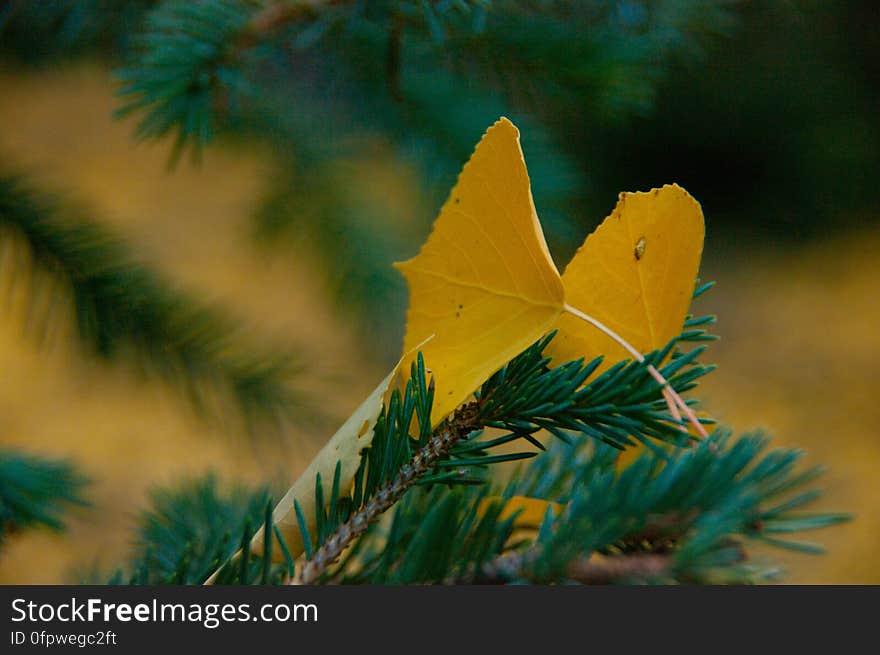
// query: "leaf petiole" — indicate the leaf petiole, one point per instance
point(673, 400)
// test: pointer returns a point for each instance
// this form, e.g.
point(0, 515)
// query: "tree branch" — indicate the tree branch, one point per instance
point(592, 570)
point(276, 16)
point(462, 423)
point(609, 570)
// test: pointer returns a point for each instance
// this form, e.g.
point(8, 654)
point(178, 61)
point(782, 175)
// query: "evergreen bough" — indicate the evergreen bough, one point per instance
point(428, 509)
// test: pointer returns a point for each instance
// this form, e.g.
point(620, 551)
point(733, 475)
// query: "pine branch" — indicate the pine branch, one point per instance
point(436, 535)
point(522, 398)
point(694, 507)
point(36, 491)
point(275, 16)
point(179, 65)
point(591, 571)
point(625, 567)
point(676, 515)
point(190, 528)
point(123, 309)
point(423, 462)
point(686, 517)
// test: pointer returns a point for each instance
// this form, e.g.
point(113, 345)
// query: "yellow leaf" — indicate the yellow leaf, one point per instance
point(635, 273)
point(484, 282)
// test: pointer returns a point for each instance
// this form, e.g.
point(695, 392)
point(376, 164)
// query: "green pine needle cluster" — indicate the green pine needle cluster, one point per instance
point(36, 491)
point(191, 529)
point(187, 53)
point(689, 517)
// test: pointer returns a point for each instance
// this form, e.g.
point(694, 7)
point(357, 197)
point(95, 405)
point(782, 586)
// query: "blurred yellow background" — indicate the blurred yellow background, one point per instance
point(799, 331)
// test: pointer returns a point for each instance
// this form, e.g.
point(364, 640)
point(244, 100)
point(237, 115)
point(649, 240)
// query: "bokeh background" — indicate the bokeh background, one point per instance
point(335, 165)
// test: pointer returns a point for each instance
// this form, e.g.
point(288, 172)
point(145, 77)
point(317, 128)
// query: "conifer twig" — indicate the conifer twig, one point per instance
point(593, 570)
point(275, 16)
point(447, 435)
point(607, 570)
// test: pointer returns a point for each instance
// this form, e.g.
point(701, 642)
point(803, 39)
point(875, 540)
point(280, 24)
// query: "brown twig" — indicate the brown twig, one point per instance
point(274, 17)
point(608, 570)
point(266, 22)
point(593, 570)
point(664, 530)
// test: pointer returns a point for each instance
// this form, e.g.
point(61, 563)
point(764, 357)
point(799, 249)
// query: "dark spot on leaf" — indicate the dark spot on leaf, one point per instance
point(639, 250)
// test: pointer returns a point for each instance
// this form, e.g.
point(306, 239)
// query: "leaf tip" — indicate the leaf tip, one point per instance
point(505, 123)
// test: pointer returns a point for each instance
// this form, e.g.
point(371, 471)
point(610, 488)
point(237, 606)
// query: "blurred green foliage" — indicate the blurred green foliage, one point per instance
point(36, 491)
point(765, 111)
